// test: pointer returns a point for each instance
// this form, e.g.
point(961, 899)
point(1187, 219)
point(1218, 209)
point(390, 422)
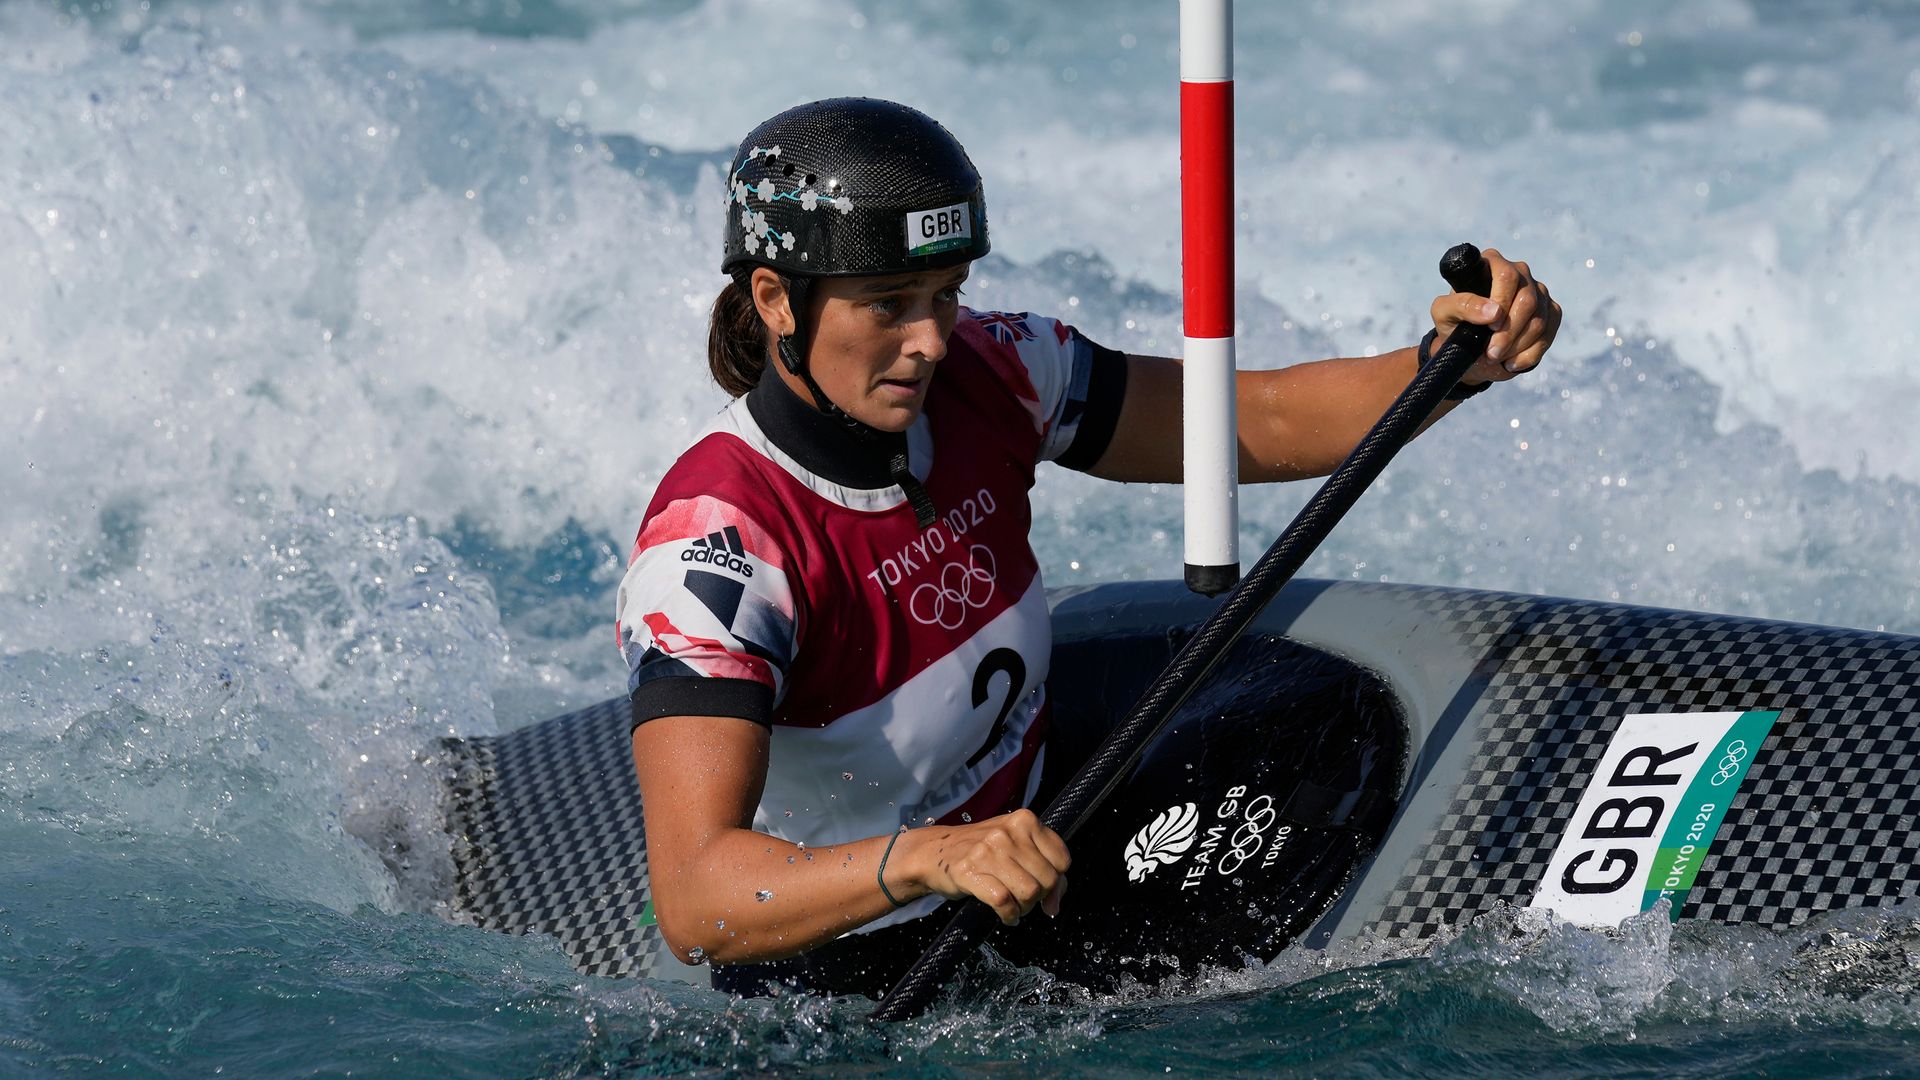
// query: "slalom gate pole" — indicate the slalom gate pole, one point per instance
point(1465, 271)
point(1209, 427)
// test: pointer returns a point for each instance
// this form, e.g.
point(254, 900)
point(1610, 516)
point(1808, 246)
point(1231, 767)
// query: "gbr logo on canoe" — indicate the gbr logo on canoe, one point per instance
point(1648, 817)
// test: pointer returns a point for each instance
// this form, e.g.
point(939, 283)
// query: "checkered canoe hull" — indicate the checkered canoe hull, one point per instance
point(1511, 699)
point(548, 838)
point(1824, 819)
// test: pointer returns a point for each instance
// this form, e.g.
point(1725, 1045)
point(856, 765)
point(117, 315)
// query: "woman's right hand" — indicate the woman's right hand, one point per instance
point(1524, 317)
point(1011, 863)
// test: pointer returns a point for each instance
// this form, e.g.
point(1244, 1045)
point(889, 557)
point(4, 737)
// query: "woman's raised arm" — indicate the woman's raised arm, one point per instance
point(1301, 421)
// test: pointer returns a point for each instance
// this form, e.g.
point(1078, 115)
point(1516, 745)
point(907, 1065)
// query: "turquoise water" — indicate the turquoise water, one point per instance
point(342, 344)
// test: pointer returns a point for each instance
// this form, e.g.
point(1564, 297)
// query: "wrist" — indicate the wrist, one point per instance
point(880, 873)
point(1461, 390)
point(903, 868)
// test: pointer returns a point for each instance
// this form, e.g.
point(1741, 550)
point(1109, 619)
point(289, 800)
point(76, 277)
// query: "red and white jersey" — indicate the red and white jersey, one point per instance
point(782, 577)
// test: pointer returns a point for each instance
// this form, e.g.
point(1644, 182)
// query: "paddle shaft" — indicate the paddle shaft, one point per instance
point(1089, 789)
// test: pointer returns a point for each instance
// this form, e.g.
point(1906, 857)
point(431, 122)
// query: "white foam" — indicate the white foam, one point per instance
point(270, 264)
point(1663, 143)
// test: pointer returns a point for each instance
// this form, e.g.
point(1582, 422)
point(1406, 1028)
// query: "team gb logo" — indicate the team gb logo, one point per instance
point(1162, 842)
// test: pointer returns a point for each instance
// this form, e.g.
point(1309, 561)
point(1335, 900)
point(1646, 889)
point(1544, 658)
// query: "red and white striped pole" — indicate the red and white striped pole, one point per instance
point(1206, 238)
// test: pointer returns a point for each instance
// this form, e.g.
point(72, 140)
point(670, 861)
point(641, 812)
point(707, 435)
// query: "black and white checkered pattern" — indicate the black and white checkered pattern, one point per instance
point(549, 838)
point(1823, 820)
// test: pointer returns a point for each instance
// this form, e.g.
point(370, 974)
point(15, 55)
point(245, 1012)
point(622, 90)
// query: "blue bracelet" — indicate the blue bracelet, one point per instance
point(880, 875)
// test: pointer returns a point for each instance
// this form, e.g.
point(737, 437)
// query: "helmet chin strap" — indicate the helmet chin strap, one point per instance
point(892, 444)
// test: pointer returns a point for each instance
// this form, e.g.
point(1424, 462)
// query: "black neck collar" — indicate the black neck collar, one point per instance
point(822, 445)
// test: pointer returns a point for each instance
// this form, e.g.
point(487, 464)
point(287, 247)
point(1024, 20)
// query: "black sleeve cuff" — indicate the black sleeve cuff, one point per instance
point(693, 695)
point(1461, 391)
point(1106, 392)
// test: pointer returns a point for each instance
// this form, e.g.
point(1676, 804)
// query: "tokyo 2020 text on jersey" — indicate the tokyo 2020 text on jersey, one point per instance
point(781, 576)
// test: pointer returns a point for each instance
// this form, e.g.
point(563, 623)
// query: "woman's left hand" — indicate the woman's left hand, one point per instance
point(1523, 316)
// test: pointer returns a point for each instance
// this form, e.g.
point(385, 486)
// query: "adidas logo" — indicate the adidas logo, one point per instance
point(722, 549)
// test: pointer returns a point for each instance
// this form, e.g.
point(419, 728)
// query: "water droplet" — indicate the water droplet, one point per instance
point(964, 816)
point(696, 955)
point(846, 776)
point(789, 813)
point(765, 895)
point(720, 924)
point(789, 858)
point(809, 855)
point(801, 844)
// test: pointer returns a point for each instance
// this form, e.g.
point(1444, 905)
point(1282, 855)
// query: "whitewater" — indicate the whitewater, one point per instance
point(341, 344)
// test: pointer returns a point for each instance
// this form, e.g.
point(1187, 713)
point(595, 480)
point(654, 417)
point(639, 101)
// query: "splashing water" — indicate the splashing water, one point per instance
point(344, 341)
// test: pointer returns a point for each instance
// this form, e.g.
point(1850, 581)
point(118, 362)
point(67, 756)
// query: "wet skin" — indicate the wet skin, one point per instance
point(874, 341)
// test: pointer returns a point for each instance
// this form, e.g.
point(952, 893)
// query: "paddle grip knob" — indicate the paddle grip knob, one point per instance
point(1466, 271)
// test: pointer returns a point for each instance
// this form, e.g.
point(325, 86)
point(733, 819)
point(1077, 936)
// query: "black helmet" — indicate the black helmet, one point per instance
point(852, 186)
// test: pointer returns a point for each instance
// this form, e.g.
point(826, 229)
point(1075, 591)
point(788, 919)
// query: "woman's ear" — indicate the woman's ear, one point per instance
point(771, 301)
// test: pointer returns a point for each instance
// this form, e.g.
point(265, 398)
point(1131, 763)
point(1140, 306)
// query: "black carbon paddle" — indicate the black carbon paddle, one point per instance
point(1465, 271)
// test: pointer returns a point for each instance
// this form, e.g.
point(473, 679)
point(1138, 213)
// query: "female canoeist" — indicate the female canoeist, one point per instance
point(833, 620)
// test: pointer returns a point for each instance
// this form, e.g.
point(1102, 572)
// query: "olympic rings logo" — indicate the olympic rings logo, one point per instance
point(1247, 839)
point(962, 587)
point(1731, 762)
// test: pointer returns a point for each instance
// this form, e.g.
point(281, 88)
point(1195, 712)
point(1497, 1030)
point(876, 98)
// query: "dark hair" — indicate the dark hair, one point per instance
point(736, 338)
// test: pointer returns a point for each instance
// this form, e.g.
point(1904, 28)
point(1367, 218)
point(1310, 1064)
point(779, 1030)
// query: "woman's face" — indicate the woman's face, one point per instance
point(875, 340)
